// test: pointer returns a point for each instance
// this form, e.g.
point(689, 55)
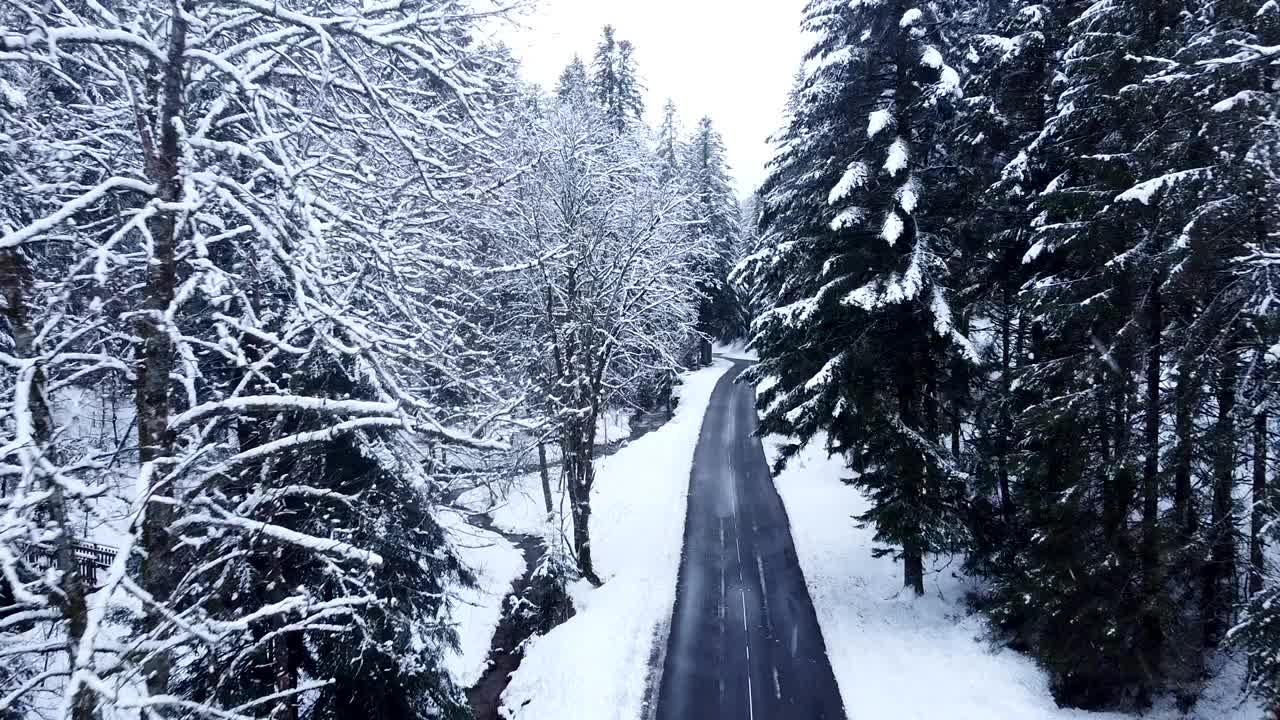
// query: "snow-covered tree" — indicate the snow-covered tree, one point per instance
point(713, 215)
point(611, 301)
point(861, 324)
point(573, 80)
point(238, 218)
point(670, 145)
point(615, 81)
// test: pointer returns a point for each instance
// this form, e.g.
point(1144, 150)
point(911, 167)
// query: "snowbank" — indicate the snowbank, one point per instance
point(476, 610)
point(897, 656)
point(523, 510)
point(735, 351)
point(595, 666)
point(1221, 698)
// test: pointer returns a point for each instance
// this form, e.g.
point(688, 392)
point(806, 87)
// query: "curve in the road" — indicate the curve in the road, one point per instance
point(744, 639)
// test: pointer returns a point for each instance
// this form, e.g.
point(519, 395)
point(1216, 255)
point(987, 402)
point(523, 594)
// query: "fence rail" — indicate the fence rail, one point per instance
point(91, 558)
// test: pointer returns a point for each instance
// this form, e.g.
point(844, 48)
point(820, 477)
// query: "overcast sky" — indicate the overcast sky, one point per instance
point(730, 59)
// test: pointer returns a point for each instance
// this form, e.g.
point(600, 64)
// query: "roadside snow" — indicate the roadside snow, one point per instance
point(614, 425)
point(885, 646)
point(476, 610)
point(595, 665)
point(523, 510)
point(897, 656)
point(735, 351)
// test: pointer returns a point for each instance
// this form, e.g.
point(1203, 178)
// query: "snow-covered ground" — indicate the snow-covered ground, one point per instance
point(884, 645)
point(476, 610)
point(516, 507)
point(901, 657)
point(735, 351)
point(594, 666)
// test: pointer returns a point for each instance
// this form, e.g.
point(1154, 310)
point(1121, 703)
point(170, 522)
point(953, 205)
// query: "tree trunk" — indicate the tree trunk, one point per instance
point(915, 354)
point(911, 464)
point(155, 356)
point(1005, 428)
point(1221, 536)
point(580, 476)
point(913, 569)
point(16, 280)
point(286, 678)
point(1184, 418)
point(958, 382)
point(1151, 633)
point(546, 478)
point(1261, 503)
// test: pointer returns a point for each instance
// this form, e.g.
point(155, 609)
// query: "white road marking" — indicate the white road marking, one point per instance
point(764, 598)
point(777, 684)
point(721, 610)
point(746, 639)
point(763, 587)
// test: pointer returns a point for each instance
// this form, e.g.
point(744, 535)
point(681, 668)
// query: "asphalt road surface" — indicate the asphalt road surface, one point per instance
point(745, 642)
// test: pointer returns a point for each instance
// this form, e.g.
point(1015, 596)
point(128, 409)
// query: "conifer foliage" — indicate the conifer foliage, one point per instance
point(1015, 265)
point(849, 207)
point(714, 215)
point(615, 81)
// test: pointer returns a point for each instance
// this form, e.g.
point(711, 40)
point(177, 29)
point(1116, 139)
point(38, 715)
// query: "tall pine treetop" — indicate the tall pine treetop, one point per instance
point(573, 80)
point(615, 82)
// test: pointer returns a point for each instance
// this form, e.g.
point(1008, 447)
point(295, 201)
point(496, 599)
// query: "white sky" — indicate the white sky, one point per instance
point(730, 59)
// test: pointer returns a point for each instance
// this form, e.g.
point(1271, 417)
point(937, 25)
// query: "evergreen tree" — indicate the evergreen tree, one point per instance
point(861, 330)
point(714, 216)
point(573, 80)
point(615, 83)
point(1102, 296)
point(1100, 222)
point(1228, 76)
point(670, 148)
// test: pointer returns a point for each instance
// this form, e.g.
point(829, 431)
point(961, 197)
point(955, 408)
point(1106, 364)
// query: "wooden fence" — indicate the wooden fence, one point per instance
point(91, 558)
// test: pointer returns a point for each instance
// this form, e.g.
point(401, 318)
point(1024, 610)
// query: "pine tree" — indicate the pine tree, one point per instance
point(573, 80)
point(629, 94)
point(1130, 176)
point(615, 83)
point(670, 146)
point(1228, 76)
point(714, 218)
point(1007, 73)
point(861, 330)
point(366, 489)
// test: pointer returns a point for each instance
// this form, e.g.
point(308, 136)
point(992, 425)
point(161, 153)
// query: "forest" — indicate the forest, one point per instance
point(1018, 265)
point(282, 282)
point(278, 281)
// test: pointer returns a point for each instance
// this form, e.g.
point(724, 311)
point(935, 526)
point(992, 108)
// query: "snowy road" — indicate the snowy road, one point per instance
point(744, 642)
